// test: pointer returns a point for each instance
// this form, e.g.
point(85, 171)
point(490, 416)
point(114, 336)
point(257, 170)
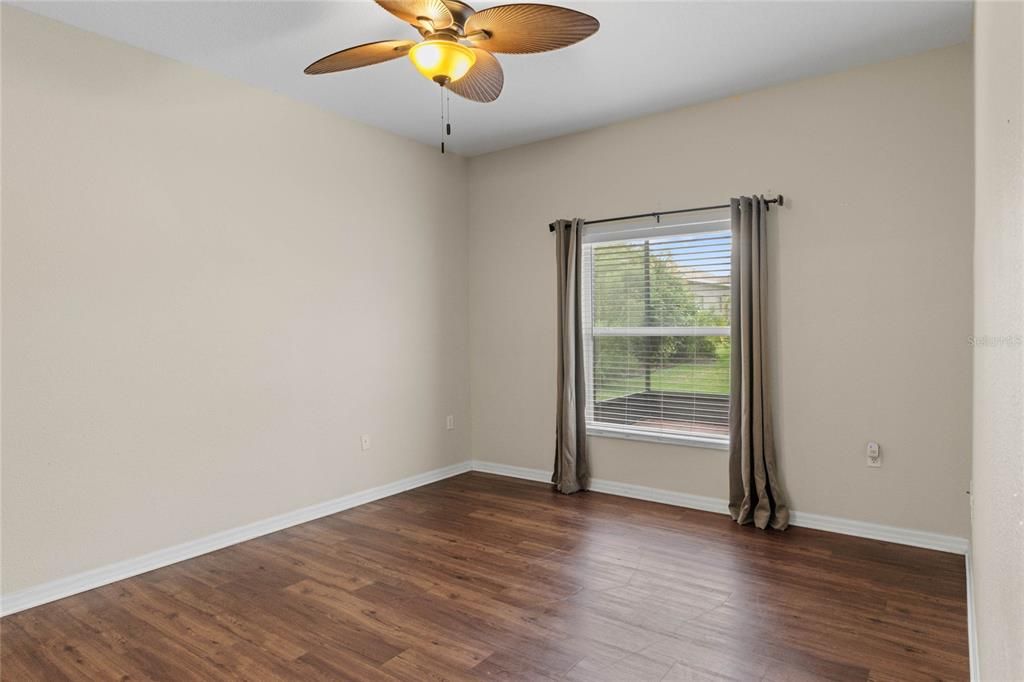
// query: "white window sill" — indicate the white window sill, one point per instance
point(604, 431)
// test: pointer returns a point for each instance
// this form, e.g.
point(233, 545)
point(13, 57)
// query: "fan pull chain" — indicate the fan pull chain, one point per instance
point(446, 115)
point(448, 110)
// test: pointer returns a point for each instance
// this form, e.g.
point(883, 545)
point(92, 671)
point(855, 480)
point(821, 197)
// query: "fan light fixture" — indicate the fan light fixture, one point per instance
point(442, 61)
point(458, 44)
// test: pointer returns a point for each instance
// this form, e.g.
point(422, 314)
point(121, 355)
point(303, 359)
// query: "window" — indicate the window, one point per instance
point(656, 329)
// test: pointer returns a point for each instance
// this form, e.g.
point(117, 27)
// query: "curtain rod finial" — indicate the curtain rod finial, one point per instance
point(782, 201)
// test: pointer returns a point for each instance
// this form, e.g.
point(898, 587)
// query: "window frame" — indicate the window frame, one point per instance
point(714, 220)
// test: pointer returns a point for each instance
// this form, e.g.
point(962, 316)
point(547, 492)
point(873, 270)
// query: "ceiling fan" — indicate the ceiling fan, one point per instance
point(458, 42)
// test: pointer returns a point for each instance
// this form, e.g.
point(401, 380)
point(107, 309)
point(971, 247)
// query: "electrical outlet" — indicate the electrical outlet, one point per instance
point(449, 422)
point(874, 455)
point(364, 441)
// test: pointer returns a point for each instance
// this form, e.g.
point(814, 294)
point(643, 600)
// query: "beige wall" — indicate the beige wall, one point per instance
point(209, 293)
point(997, 545)
point(870, 277)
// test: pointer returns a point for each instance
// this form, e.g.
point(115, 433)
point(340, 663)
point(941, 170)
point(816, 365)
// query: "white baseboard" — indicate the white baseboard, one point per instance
point(80, 582)
point(511, 471)
point(639, 492)
point(902, 536)
point(972, 628)
point(874, 531)
point(64, 587)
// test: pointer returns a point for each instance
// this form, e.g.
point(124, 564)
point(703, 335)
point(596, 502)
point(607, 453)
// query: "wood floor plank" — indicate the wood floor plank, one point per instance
point(485, 577)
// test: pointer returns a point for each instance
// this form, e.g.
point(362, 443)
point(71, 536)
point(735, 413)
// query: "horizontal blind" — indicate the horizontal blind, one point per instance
point(656, 329)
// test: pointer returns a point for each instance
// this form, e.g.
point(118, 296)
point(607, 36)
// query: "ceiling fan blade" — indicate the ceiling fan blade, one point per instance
point(360, 55)
point(483, 82)
point(525, 28)
point(410, 11)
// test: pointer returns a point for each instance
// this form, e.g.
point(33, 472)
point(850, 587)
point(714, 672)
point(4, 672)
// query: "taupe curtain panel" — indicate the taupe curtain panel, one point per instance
point(572, 466)
point(755, 495)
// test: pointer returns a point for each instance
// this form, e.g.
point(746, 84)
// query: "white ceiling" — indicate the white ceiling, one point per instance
point(647, 57)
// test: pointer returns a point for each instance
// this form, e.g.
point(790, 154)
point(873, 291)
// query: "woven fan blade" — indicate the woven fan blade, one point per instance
point(525, 28)
point(410, 11)
point(361, 55)
point(483, 82)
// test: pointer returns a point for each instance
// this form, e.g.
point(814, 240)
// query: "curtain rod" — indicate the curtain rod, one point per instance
point(777, 200)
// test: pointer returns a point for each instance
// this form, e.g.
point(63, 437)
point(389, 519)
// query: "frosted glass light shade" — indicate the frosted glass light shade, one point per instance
point(442, 61)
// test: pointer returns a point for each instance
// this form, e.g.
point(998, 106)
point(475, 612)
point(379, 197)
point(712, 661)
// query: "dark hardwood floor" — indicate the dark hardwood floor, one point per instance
point(482, 576)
